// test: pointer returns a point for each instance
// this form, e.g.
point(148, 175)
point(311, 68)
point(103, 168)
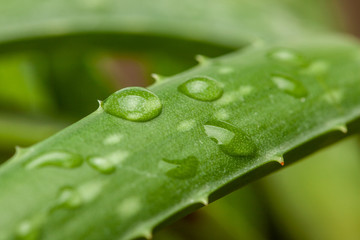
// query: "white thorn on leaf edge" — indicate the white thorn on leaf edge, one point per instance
point(279, 159)
point(158, 78)
point(341, 128)
point(201, 59)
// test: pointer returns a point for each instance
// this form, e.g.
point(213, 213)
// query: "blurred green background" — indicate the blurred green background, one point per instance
point(48, 83)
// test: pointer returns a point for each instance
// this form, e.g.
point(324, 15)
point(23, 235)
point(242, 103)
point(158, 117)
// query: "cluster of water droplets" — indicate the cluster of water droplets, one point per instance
point(138, 104)
point(283, 82)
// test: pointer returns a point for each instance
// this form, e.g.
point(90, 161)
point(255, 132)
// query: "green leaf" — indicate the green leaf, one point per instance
point(233, 22)
point(22, 84)
point(141, 194)
point(325, 190)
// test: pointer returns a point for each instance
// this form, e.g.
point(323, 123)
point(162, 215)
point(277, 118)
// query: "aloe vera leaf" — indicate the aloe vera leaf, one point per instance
point(22, 84)
point(234, 22)
point(22, 130)
point(139, 194)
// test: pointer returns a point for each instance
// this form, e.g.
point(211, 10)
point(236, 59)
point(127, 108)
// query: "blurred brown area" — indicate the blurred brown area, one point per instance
point(350, 13)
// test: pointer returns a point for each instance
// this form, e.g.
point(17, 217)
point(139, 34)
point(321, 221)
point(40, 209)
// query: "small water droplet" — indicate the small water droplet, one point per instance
point(221, 114)
point(289, 85)
point(286, 56)
point(102, 164)
point(56, 158)
point(91, 190)
point(225, 70)
point(28, 230)
point(68, 197)
point(134, 104)
point(333, 96)
point(113, 139)
point(317, 68)
point(186, 168)
point(230, 139)
point(186, 125)
point(201, 88)
point(128, 207)
point(228, 98)
point(245, 90)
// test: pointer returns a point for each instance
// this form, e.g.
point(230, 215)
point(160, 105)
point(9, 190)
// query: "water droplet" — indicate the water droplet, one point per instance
point(221, 114)
point(186, 125)
point(317, 68)
point(186, 168)
point(90, 190)
point(245, 90)
point(102, 164)
point(225, 70)
point(28, 230)
point(128, 207)
point(113, 139)
point(333, 96)
point(201, 88)
point(228, 98)
point(134, 104)
point(230, 139)
point(56, 158)
point(289, 85)
point(68, 198)
point(286, 56)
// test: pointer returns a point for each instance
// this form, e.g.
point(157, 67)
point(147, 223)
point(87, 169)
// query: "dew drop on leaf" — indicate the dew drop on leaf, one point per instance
point(290, 86)
point(60, 159)
point(201, 88)
point(102, 164)
point(287, 56)
point(27, 230)
point(134, 104)
point(68, 197)
point(230, 139)
point(186, 168)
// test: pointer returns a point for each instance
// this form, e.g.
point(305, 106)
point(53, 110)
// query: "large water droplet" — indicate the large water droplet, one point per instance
point(102, 164)
point(230, 139)
point(134, 104)
point(186, 168)
point(68, 198)
point(27, 230)
point(201, 88)
point(56, 158)
point(287, 56)
point(289, 85)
